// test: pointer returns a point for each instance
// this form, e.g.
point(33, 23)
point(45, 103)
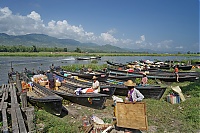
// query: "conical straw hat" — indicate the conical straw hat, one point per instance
point(130, 83)
point(94, 77)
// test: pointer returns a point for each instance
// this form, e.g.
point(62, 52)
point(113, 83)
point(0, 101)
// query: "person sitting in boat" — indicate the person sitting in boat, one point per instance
point(11, 72)
point(176, 73)
point(134, 95)
point(144, 80)
point(52, 67)
point(95, 84)
point(145, 68)
point(95, 87)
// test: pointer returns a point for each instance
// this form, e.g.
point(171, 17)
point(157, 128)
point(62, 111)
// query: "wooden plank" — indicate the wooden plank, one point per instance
point(3, 97)
point(6, 92)
point(4, 116)
point(15, 128)
point(20, 120)
point(131, 115)
point(23, 97)
point(30, 115)
point(18, 124)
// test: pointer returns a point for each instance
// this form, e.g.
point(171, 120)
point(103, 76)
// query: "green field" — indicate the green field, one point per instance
point(52, 54)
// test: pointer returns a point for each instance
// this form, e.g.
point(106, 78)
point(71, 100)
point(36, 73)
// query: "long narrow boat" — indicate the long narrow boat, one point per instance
point(116, 64)
point(93, 100)
point(43, 97)
point(185, 67)
point(81, 83)
point(181, 67)
point(155, 92)
point(127, 72)
point(163, 77)
point(101, 76)
point(83, 58)
point(149, 91)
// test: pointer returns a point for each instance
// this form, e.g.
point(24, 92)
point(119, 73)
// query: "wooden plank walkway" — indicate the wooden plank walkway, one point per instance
point(9, 105)
point(16, 112)
point(16, 118)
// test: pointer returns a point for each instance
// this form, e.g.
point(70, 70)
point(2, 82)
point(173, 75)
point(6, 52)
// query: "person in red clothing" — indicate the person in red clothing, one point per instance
point(176, 73)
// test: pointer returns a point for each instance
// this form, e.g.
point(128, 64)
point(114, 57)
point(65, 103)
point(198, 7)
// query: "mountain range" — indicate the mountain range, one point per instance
point(42, 40)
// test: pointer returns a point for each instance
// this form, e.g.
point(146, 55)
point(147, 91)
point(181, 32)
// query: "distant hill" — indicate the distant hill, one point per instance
point(41, 40)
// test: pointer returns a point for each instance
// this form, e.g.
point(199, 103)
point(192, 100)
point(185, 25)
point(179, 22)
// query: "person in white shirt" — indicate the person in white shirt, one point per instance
point(95, 85)
point(134, 95)
point(95, 88)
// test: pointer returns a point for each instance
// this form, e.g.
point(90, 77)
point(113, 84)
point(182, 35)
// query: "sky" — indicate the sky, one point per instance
point(159, 25)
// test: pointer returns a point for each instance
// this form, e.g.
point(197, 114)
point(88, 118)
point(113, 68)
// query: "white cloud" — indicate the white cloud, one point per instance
point(34, 15)
point(142, 39)
point(112, 31)
point(163, 45)
point(107, 37)
point(5, 12)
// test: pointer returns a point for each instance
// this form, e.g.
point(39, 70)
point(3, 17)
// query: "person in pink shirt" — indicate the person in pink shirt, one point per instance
point(144, 80)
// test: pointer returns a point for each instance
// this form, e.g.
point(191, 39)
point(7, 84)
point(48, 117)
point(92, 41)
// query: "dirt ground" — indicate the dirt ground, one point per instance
point(77, 112)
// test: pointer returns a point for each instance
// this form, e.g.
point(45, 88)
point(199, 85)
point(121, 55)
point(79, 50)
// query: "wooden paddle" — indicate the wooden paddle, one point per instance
point(179, 91)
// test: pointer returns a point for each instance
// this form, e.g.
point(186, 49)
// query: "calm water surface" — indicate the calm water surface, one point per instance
point(19, 63)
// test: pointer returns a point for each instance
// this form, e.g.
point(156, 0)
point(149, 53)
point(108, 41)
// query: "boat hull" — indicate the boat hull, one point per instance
point(101, 76)
point(52, 106)
point(154, 92)
point(96, 101)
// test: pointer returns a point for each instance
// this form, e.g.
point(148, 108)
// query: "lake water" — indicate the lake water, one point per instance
point(19, 63)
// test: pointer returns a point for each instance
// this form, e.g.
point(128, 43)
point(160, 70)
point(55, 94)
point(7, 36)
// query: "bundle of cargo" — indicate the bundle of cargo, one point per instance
point(26, 86)
point(173, 98)
point(41, 79)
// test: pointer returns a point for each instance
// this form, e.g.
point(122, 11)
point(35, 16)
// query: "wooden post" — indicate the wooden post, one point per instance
point(18, 82)
point(23, 97)
point(30, 115)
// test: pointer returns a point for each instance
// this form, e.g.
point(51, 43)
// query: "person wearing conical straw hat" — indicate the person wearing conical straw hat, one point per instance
point(134, 95)
point(95, 84)
point(95, 88)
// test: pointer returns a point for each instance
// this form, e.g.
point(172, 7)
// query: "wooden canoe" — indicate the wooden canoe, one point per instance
point(93, 100)
point(43, 97)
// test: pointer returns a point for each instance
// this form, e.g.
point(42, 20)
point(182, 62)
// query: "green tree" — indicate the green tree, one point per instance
point(65, 49)
point(55, 49)
point(34, 48)
point(78, 50)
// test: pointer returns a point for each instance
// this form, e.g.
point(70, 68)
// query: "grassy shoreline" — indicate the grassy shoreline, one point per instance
point(57, 54)
point(161, 115)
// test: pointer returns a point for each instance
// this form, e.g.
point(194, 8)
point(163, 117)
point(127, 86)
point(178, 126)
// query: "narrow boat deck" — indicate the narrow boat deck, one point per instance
point(32, 94)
